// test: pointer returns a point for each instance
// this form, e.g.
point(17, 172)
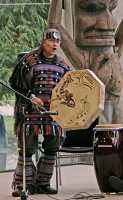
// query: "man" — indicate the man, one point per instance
point(35, 76)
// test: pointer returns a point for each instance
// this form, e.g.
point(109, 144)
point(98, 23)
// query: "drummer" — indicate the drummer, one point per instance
point(35, 75)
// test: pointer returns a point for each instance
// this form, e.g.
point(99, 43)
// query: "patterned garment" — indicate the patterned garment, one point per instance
point(30, 173)
point(45, 168)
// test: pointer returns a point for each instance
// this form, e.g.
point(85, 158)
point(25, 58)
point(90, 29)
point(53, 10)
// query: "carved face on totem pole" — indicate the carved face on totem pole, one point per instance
point(94, 23)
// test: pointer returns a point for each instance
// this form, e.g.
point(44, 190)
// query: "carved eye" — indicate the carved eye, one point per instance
point(113, 4)
point(92, 6)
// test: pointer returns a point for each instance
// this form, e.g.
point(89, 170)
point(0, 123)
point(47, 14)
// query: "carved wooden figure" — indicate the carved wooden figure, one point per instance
point(92, 45)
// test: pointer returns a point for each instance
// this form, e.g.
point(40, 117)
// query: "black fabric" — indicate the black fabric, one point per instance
point(80, 137)
point(50, 144)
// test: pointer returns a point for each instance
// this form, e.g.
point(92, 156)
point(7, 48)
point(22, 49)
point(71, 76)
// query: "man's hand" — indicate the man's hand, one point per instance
point(37, 101)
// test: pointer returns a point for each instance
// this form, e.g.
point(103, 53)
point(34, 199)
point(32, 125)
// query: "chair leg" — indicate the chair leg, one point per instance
point(57, 175)
point(59, 169)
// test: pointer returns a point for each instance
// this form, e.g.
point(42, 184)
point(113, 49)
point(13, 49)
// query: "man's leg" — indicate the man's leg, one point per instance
point(18, 176)
point(30, 171)
point(45, 165)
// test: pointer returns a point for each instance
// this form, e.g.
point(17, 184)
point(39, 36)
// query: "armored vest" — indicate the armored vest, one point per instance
point(46, 73)
point(36, 74)
point(45, 77)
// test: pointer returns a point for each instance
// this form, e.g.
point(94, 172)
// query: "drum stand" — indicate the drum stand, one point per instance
point(24, 193)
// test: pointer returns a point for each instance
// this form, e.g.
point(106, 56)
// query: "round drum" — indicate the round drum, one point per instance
point(78, 98)
point(108, 154)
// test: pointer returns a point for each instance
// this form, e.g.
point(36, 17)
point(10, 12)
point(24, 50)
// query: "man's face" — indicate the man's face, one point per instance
point(94, 23)
point(50, 46)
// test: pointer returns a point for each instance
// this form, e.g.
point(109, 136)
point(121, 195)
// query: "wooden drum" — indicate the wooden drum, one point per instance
point(108, 154)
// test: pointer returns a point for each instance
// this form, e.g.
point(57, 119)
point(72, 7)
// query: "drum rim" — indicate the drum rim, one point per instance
point(108, 127)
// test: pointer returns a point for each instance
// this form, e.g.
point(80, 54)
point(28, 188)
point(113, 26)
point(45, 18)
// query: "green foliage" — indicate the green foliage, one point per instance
point(21, 28)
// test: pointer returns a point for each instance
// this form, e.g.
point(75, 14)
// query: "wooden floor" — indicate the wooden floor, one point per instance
point(78, 182)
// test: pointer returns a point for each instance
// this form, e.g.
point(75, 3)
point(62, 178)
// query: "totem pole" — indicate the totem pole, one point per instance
point(93, 46)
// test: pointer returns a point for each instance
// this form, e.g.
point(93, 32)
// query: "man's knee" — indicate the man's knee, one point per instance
point(50, 145)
